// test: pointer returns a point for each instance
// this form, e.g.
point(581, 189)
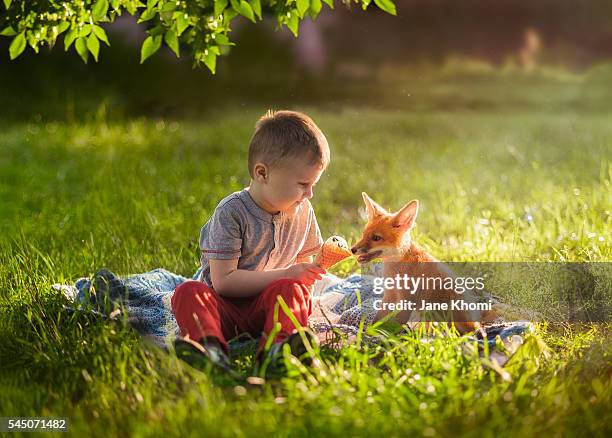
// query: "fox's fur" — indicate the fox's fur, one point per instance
point(387, 236)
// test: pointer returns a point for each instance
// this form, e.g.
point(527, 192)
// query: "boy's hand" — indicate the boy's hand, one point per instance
point(307, 273)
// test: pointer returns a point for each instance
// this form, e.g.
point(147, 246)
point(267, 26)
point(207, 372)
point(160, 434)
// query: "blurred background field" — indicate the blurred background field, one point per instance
point(440, 54)
point(495, 115)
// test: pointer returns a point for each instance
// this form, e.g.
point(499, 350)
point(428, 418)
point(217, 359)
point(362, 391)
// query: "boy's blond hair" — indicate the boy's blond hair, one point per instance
point(283, 134)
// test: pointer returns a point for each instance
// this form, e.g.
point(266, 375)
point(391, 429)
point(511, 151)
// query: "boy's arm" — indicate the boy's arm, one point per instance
point(313, 242)
point(229, 281)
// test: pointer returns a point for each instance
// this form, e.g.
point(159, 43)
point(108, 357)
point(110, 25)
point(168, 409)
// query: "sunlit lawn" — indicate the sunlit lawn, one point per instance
point(523, 181)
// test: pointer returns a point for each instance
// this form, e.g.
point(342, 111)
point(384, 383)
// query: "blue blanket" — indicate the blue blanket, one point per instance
point(145, 300)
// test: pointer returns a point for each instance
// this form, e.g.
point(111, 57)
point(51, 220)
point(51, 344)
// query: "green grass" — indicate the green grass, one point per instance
point(501, 176)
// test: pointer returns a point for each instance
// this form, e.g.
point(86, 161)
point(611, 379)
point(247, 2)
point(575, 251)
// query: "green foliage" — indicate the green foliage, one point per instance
point(386, 5)
point(17, 45)
point(202, 26)
point(150, 46)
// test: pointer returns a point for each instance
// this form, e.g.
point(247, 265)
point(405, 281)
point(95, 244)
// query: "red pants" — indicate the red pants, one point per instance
point(200, 312)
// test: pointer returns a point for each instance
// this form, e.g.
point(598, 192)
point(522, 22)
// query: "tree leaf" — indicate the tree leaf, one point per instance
point(386, 5)
point(147, 15)
point(293, 23)
point(228, 16)
point(181, 20)
point(99, 10)
point(181, 23)
point(18, 45)
point(315, 8)
point(220, 6)
point(329, 3)
point(210, 59)
point(131, 6)
point(223, 40)
point(32, 41)
point(169, 7)
point(93, 45)
point(256, 5)
point(81, 47)
point(86, 30)
point(101, 34)
point(64, 25)
point(7, 4)
point(8, 31)
point(302, 7)
point(172, 41)
point(149, 47)
point(69, 38)
point(244, 9)
point(157, 30)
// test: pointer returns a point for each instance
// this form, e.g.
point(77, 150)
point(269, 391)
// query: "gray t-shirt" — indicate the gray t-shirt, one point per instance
point(240, 229)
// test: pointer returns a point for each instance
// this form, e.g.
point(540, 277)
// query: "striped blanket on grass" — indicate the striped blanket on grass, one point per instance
point(144, 299)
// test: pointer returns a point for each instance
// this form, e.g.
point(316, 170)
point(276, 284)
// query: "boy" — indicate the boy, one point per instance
point(258, 246)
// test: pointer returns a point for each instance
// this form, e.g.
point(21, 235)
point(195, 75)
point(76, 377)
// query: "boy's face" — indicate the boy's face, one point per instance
point(289, 184)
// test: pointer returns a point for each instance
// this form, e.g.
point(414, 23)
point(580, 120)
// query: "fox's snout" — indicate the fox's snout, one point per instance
point(365, 251)
point(359, 247)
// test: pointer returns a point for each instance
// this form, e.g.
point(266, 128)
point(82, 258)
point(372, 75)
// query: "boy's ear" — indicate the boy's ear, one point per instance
point(406, 216)
point(372, 207)
point(260, 172)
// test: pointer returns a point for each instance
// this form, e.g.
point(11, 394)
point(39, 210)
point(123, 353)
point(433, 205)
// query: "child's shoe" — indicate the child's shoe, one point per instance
point(203, 355)
point(273, 363)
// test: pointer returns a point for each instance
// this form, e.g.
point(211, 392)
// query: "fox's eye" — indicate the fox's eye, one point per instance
point(376, 238)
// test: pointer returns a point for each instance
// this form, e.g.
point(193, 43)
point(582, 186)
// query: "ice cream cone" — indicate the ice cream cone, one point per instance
point(334, 250)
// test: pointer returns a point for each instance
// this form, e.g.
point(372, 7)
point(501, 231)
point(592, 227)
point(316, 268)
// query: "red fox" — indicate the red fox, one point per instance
point(387, 236)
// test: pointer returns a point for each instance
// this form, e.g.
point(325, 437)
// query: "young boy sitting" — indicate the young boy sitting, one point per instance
point(258, 246)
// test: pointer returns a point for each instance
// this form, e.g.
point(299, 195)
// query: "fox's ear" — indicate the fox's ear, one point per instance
point(406, 216)
point(372, 207)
